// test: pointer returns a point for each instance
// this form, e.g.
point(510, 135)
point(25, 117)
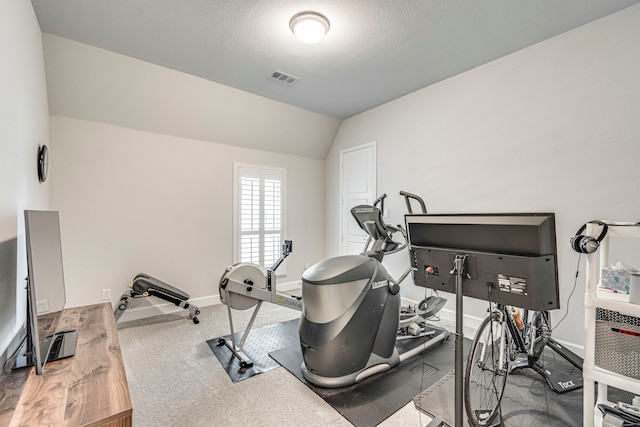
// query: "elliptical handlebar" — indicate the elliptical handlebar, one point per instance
point(369, 219)
point(398, 246)
point(381, 201)
point(407, 199)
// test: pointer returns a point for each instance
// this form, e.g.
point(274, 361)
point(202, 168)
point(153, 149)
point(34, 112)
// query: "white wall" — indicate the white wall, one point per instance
point(23, 126)
point(143, 167)
point(551, 128)
point(132, 201)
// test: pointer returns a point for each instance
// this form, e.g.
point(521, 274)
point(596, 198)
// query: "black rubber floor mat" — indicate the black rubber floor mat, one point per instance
point(257, 347)
point(527, 399)
point(371, 401)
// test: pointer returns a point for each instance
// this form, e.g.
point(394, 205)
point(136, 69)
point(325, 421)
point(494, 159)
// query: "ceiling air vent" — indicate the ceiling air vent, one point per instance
point(284, 77)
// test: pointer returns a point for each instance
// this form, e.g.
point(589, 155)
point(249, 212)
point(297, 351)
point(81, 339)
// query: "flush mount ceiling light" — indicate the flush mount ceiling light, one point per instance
point(309, 27)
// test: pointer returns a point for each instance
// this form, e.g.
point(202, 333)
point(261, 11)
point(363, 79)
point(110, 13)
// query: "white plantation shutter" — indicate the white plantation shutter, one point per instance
point(249, 220)
point(259, 214)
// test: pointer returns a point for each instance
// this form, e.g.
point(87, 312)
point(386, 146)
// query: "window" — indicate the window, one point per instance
point(258, 214)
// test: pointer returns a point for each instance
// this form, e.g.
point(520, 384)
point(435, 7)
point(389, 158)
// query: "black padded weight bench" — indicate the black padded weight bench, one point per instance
point(144, 286)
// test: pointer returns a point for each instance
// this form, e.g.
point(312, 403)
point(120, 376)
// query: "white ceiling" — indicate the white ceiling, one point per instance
point(375, 51)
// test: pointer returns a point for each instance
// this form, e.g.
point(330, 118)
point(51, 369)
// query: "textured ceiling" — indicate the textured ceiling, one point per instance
point(375, 51)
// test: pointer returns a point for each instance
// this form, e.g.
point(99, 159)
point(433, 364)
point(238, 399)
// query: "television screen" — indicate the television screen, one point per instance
point(509, 258)
point(46, 293)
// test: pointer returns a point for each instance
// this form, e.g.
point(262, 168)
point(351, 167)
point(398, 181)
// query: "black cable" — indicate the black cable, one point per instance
point(22, 341)
point(575, 282)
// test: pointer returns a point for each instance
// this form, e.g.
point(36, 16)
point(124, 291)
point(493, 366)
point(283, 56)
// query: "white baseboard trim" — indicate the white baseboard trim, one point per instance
point(155, 307)
point(471, 324)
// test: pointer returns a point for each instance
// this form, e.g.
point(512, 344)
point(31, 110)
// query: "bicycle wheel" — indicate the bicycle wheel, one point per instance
point(487, 370)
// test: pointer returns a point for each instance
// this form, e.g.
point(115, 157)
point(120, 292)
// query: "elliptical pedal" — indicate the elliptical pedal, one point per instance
point(430, 306)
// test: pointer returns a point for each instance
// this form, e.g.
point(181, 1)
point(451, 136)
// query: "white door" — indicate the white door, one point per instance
point(358, 186)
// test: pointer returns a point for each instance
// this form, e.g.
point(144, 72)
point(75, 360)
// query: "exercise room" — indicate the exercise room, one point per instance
point(320, 213)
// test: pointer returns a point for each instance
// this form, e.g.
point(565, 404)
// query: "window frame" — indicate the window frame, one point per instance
point(239, 171)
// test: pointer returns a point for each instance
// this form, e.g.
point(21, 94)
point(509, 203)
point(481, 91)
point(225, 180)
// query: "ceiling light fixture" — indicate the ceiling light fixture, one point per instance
point(309, 27)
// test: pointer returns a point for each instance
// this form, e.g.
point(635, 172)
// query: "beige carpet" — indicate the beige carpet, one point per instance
point(176, 380)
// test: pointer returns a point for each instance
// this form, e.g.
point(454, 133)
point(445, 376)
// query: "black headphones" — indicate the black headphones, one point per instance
point(588, 244)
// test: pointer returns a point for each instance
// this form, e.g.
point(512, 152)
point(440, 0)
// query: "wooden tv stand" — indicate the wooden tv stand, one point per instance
point(88, 389)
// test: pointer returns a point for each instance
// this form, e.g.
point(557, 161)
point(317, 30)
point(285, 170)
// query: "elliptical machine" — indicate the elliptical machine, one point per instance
point(351, 318)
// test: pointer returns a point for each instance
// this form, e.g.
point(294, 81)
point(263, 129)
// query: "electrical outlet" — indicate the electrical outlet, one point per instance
point(106, 295)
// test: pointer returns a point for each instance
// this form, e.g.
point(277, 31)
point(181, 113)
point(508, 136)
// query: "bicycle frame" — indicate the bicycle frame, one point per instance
point(497, 315)
point(502, 314)
point(539, 335)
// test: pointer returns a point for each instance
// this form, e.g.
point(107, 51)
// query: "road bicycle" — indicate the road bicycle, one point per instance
point(509, 338)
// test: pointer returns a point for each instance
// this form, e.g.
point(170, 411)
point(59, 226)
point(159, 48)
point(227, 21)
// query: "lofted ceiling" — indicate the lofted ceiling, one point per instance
point(375, 51)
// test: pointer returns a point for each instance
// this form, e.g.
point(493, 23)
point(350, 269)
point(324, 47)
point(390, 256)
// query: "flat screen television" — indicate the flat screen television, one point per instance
point(46, 296)
point(509, 258)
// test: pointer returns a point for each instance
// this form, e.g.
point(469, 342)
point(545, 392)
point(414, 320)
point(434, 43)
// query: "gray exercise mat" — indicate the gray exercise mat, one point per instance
point(527, 399)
